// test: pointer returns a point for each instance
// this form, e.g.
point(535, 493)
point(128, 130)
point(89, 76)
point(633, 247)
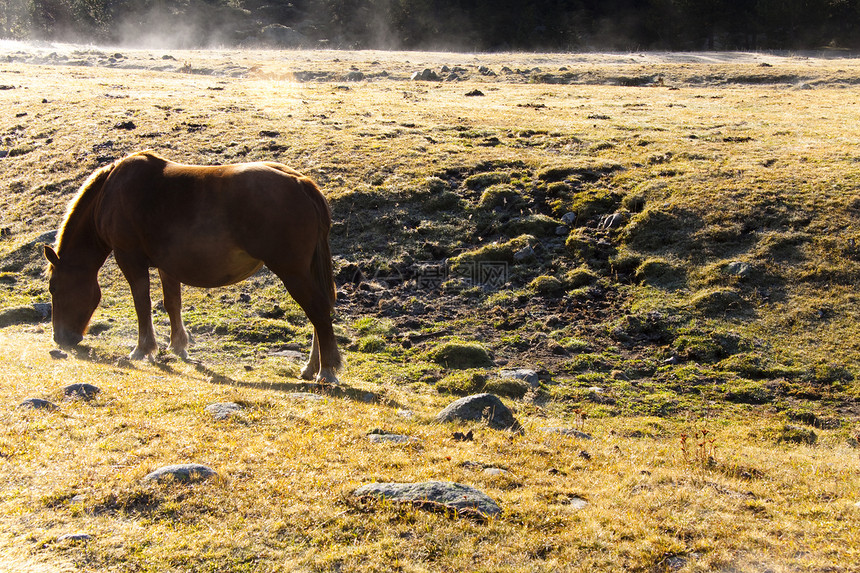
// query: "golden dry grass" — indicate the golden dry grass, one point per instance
point(720, 152)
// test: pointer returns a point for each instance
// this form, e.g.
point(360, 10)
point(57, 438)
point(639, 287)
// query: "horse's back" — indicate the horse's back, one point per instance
point(211, 225)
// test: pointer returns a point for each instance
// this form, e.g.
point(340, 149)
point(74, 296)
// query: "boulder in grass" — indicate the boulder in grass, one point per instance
point(478, 407)
point(434, 495)
point(181, 473)
point(81, 391)
point(37, 404)
point(223, 410)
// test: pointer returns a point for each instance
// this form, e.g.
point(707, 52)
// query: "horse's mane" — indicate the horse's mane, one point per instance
point(84, 196)
point(89, 189)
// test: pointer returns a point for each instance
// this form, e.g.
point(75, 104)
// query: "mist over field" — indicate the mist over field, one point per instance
point(441, 24)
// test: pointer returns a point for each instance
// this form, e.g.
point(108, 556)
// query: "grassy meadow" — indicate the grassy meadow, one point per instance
point(669, 240)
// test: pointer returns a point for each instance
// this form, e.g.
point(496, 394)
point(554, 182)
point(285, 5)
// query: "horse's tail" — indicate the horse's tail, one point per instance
point(321, 264)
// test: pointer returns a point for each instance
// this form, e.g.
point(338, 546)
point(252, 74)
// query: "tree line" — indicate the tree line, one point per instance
point(567, 25)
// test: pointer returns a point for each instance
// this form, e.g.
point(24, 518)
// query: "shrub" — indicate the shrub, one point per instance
point(461, 355)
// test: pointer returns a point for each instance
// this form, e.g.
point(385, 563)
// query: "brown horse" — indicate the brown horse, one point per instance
point(203, 226)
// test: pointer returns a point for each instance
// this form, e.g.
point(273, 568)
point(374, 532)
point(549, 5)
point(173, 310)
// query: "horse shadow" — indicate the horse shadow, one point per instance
point(164, 363)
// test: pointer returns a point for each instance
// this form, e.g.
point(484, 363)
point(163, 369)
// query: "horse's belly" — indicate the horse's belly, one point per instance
point(210, 269)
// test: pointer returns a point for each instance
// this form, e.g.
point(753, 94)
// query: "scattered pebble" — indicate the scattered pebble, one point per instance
point(570, 432)
point(58, 354)
point(467, 437)
point(310, 396)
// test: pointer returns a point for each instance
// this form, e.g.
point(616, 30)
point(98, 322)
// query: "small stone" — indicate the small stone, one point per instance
point(496, 472)
point(74, 537)
point(58, 354)
point(182, 473)
point(569, 218)
point(81, 391)
point(467, 437)
point(223, 410)
point(570, 432)
point(38, 404)
point(308, 396)
point(738, 269)
point(524, 374)
point(527, 253)
point(612, 221)
point(577, 503)
point(474, 93)
point(391, 439)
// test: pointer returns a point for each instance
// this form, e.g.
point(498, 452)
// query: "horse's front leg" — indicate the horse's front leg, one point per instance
point(136, 271)
point(172, 289)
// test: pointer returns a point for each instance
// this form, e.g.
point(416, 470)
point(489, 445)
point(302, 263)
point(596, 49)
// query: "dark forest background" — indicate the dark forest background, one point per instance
point(567, 25)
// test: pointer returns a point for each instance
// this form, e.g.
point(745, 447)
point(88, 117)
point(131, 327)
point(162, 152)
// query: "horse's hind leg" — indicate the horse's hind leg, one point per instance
point(173, 305)
point(310, 370)
point(315, 303)
point(136, 272)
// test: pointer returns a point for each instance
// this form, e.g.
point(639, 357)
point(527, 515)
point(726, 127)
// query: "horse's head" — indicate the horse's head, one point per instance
point(75, 294)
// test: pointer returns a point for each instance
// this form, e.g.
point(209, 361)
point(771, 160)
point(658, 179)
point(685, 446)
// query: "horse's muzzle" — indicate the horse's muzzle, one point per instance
point(67, 339)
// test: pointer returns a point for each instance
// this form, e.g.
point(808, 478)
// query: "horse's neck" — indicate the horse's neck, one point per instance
point(79, 242)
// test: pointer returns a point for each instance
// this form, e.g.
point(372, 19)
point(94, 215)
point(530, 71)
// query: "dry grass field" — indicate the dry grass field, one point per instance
point(668, 240)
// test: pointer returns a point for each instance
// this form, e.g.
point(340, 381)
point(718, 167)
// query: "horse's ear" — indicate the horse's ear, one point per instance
point(52, 256)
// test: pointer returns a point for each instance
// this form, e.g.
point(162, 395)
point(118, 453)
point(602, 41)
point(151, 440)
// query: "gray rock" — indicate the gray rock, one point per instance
point(426, 75)
point(569, 218)
point(612, 221)
point(309, 396)
point(58, 354)
point(37, 404)
point(525, 374)
point(74, 537)
point(578, 503)
point(182, 473)
point(477, 407)
point(81, 391)
point(391, 439)
point(354, 76)
point(738, 269)
point(527, 253)
point(223, 410)
point(569, 432)
point(450, 494)
point(496, 472)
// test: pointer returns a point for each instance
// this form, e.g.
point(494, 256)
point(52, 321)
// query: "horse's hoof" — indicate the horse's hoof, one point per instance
point(327, 378)
point(307, 374)
point(183, 354)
